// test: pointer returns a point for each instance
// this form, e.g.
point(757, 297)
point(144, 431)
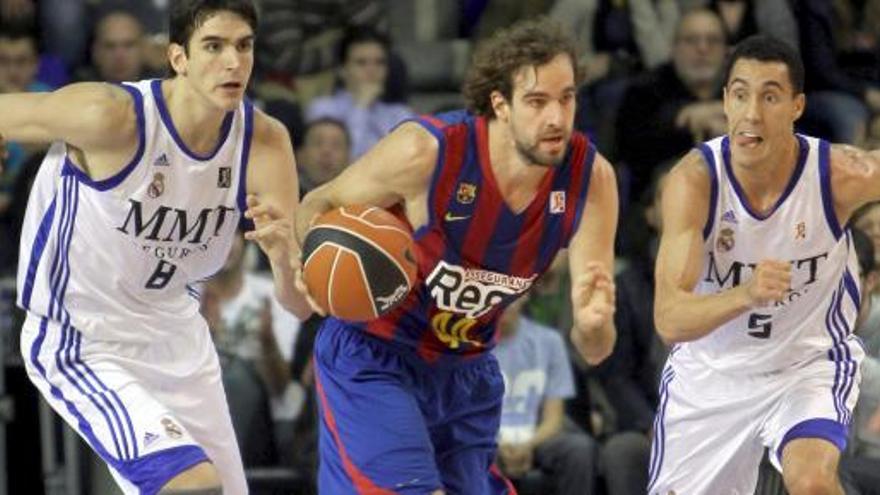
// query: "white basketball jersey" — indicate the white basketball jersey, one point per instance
point(819, 313)
point(115, 257)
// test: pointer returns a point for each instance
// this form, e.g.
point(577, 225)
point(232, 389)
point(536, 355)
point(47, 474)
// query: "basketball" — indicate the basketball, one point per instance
point(358, 262)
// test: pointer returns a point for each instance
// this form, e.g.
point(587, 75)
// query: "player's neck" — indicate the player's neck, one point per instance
point(508, 165)
point(197, 122)
point(769, 177)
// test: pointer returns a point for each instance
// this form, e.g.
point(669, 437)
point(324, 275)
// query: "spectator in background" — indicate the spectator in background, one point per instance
point(324, 152)
point(838, 104)
point(867, 220)
point(743, 18)
point(249, 325)
point(117, 50)
point(364, 53)
point(861, 468)
point(19, 61)
point(538, 378)
point(665, 112)
point(630, 377)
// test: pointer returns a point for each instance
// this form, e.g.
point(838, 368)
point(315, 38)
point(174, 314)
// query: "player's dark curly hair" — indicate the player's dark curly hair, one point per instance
point(496, 61)
point(185, 16)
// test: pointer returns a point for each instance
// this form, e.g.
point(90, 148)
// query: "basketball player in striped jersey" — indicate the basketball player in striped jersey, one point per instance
point(757, 288)
point(411, 402)
point(138, 198)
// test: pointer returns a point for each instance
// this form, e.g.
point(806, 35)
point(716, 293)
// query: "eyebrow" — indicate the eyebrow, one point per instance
point(209, 38)
point(544, 94)
point(765, 85)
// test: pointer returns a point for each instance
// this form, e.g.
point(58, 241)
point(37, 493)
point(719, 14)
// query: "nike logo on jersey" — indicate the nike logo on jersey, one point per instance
point(454, 218)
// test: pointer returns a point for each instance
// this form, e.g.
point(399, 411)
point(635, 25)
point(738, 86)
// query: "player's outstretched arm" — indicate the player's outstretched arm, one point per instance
point(273, 197)
point(855, 179)
point(397, 169)
point(591, 264)
point(90, 116)
point(679, 314)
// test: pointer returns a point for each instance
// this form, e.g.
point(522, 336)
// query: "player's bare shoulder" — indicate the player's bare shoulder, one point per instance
point(269, 133)
point(105, 115)
point(855, 175)
point(688, 189)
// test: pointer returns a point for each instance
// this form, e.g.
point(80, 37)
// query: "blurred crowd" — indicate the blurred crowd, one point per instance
point(340, 74)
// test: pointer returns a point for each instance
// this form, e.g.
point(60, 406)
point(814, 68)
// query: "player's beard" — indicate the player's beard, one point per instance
point(532, 155)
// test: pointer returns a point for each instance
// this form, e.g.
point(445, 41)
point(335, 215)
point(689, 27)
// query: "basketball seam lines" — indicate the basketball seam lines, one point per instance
point(377, 246)
point(371, 224)
point(332, 277)
point(339, 250)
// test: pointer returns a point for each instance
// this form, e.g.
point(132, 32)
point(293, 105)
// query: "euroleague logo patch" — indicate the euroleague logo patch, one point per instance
point(470, 291)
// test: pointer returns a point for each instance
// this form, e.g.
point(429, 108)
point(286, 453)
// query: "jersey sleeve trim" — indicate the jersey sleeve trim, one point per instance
point(243, 162)
point(825, 185)
point(709, 160)
point(115, 180)
point(435, 127)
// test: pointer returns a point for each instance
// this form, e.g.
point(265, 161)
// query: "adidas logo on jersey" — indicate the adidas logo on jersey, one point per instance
point(162, 161)
point(149, 438)
point(729, 217)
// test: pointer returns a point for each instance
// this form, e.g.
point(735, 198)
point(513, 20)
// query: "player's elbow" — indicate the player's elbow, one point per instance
point(665, 324)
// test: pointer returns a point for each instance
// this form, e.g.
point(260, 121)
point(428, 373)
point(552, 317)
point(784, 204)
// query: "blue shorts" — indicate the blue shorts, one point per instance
point(390, 423)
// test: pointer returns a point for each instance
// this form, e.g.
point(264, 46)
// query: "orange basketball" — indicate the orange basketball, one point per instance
point(359, 262)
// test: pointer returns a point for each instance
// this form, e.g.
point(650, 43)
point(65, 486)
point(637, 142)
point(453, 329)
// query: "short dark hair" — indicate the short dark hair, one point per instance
point(187, 15)
point(355, 35)
point(496, 60)
point(328, 121)
point(19, 31)
point(764, 48)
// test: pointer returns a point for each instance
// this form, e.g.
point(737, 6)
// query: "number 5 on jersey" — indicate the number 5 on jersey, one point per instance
point(760, 325)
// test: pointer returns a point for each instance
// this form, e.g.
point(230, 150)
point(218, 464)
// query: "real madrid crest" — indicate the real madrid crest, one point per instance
point(157, 187)
point(466, 193)
point(725, 240)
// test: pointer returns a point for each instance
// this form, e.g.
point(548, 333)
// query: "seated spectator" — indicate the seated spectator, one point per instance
point(861, 468)
point(248, 324)
point(19, 61)
point(630, 377)
point(743, 18)
point(838, 104)
point(538, 378)
point(364, 54)
point(665, 112)
point(117, 50)
point(323, 154)
point(867, 220)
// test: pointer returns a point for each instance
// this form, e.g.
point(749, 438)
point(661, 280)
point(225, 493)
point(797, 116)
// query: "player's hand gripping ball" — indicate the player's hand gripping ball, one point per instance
point(358, 262)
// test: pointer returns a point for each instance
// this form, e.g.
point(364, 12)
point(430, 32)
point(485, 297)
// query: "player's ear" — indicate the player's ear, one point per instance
point(800, 101)
point(500, 106)
point(177, 58)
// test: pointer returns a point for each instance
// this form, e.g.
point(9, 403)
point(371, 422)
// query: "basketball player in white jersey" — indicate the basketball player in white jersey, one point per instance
point(137, 199)
point(757, 288)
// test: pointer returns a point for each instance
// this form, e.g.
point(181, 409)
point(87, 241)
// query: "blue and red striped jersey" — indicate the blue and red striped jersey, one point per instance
point(475, 254)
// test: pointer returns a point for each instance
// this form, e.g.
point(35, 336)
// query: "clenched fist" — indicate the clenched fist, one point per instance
point(770, 282)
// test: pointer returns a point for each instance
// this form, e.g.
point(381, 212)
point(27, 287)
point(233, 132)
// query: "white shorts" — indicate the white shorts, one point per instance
point(711, 429)
point(150, 411)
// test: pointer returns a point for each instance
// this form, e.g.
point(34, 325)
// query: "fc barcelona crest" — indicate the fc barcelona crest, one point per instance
point(466, 193)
